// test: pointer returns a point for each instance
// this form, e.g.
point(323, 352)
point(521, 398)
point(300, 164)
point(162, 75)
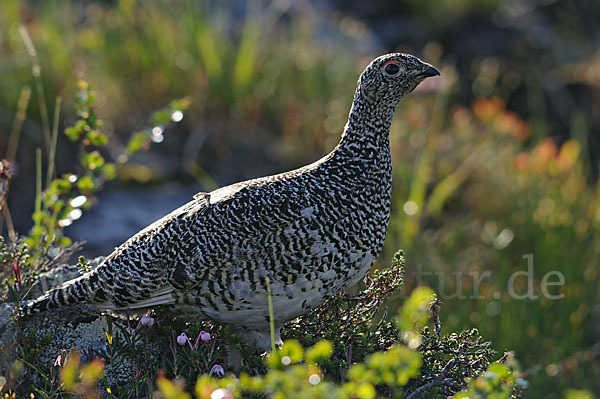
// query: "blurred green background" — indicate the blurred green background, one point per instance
point(495, 162)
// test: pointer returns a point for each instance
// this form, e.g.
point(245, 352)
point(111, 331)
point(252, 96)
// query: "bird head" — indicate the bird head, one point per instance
point(390, 77)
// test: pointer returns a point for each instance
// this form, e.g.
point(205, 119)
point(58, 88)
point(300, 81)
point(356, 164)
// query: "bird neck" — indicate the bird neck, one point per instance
point(366, 134)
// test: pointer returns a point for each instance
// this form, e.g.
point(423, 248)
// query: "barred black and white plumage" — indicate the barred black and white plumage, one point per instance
point(312, 231)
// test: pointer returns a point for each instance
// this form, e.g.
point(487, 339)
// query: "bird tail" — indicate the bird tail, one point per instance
point(72, 292)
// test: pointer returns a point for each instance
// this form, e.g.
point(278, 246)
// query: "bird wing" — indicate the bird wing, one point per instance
point(134, 275)
point(163, 296)
point(241, 221)
point(187, 246)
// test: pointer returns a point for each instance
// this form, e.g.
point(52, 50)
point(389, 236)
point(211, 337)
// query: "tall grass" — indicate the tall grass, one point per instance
point(504, 204)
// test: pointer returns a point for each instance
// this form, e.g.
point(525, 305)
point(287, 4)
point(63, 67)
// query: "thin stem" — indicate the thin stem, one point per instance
point(36, 70)
point(9, 223)
point(38, 188)
point(11, 153)
point(52, 154)
point(438, 381)
point(271, 316)
point(15, 131)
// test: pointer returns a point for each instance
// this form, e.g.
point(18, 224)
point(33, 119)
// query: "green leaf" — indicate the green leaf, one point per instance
point(109, 171)
point(83, 266)
point(499, 369)
point(171, 390)
point(161, 117)
point(365, 390)
point(321, 351)
point(290, 353)
point(253, 384)
point(293, 350)
point(180, 104)
point(91, 98)
point(497, 382)
point(415, 310)
point(138, 141)
point(86, 184)
point(96, 137)
point(57, 206)
point(64, 241)
point(360, 372)
point(92, 161)
point(38, 217)
point(578, 394)
point(59, 186)
point(75, 131)
point(395, 366)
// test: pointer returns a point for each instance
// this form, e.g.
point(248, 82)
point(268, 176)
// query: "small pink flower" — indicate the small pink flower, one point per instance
point(182, 339)
point(58, 360)
point(146, 321)
point(217, 370)
point(205, 336)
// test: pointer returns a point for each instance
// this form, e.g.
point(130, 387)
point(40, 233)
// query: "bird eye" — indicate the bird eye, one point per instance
point(392, 69)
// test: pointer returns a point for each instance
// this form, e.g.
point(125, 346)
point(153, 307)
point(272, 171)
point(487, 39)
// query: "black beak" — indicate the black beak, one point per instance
point(429, 72)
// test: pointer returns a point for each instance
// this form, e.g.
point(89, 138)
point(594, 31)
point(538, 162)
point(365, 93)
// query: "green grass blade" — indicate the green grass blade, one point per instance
point(36, 70)
point(448, 186)
point(243, 72)
point(207, 46)
point(38, 182)
point(52, 154)
point(15, 131)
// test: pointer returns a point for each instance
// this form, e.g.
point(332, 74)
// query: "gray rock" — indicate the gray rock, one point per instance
point(44, 336)
point(120, 213)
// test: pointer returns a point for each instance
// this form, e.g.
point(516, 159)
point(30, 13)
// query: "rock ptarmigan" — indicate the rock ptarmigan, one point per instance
point(312, 231)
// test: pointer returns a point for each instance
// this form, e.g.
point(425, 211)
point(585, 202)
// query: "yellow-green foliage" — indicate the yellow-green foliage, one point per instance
point(294, 372)
point(81, 381)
